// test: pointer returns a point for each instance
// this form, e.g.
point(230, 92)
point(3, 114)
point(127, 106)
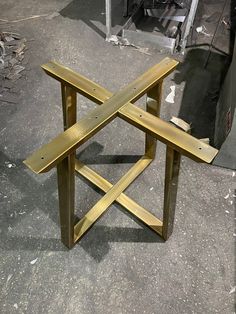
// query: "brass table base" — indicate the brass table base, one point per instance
point(60, 152)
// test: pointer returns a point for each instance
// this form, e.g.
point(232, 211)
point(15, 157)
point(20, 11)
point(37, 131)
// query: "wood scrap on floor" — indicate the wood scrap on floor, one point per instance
point(12, 49)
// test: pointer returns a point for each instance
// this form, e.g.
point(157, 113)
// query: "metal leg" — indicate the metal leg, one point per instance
point(108, 19)
point(153, 106)
point(126, 8)
point(66, 173)
point(171, 185)
point(189, 24)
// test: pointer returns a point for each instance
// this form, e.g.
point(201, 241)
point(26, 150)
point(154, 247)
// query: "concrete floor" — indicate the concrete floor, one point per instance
point(120, 266)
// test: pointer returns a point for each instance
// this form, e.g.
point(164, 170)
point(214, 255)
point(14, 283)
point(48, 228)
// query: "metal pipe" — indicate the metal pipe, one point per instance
point(108, 19)
point(191, 17)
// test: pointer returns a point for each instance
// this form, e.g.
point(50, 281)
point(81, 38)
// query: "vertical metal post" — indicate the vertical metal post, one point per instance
point(66, 172)
point(108, 19)
point(170, 192)
point(191, 17)
point(126, 8)
point(153, 106)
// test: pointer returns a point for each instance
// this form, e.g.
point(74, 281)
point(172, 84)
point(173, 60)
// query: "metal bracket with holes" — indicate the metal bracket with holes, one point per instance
point(60, 152)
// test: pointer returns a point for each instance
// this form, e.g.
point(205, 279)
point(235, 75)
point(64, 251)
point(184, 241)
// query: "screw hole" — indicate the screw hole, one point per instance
point(42, 157)
point(199, 148)
point(96, 117)
point(140, 116)
point(135, 88)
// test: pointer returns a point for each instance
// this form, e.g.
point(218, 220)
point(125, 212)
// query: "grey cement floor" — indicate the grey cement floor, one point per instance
point(120, 266)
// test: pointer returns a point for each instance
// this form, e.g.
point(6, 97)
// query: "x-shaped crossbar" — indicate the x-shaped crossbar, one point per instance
point(60, 152)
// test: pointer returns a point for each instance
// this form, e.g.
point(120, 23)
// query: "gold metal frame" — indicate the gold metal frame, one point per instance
point(60, 152)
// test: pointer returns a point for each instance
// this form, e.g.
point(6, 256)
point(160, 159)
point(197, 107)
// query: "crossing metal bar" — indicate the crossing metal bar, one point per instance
point(60, 152)
point(49, 155)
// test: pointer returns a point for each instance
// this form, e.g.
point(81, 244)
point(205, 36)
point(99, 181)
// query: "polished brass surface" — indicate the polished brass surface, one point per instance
point(168, 134)
point(153, 106)
point(66, 172)
point(50, 154)
point(60, 152)
point(131, 206)
point(170, 193)
point(89, 219)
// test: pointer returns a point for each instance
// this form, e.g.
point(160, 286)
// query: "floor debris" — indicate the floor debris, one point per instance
point(10, 165)
point(123, 42)
point(12, 47)
point(171, 97)
point(226, 197)
point(203, 30)
point(24, 19)
point(9, 278)
point(33, 261)
point(205, 140)
point(232, 290)
point(183, 125)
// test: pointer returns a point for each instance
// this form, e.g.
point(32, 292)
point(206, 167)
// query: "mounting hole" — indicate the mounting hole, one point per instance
point(42, 157)
point(96, 117)
point(140, 116)
point(199, 148)
point(135, 88)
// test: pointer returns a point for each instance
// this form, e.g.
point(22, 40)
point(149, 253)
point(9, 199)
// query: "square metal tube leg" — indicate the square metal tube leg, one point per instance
point(170, 193)
point(153, 106)
point(66, 172)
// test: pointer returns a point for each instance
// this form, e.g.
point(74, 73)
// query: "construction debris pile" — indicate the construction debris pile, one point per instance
point(11, 55)
point(12, 47)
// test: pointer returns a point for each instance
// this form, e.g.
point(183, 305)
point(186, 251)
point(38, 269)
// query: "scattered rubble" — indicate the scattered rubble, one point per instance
point(181, 124)
point(123, 42)
point(33, 261)
point(12, 47)
point(203, 30)
point(171, 97)
point(12, 54)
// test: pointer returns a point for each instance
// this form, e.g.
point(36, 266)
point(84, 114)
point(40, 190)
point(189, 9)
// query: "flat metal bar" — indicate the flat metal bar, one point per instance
point(165, 132)
point(153, 106)
point(50, 154)
point(99, 94)
point(131, 206)
point(66, 172)
point(170, 192)
point(78, 82)
point(98, 209)
point(147, 39)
